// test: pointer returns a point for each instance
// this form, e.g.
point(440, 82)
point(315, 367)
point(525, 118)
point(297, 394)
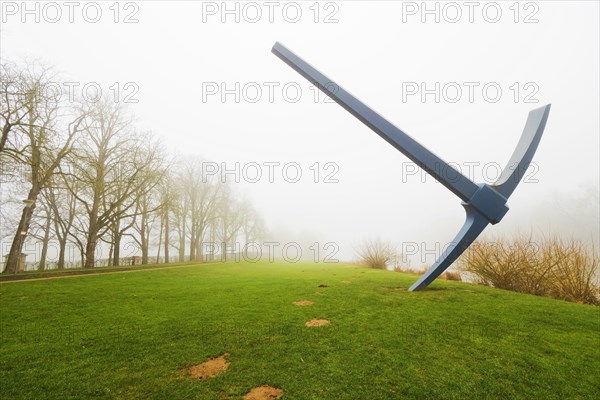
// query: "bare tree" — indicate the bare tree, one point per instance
point(64, 209)
point(252, 225)
point(180, 208)
point(112, 164)
point(42, 142)
point(202, 195)
point(168, 198)
point(229, 221)
point(41, 227)
point(148, 203)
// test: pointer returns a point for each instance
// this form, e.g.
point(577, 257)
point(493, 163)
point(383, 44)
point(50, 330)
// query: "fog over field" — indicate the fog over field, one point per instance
point(458, 77)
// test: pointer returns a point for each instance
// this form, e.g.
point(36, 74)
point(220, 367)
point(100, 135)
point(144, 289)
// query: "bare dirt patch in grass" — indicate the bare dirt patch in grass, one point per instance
point(323, 285)
point(210, 368)
point(304, 303)
point(317, 322)
point(264, 393)
point(320, 293)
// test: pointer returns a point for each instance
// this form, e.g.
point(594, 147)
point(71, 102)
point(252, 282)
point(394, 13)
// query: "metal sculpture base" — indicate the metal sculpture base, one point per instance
point(484, 203)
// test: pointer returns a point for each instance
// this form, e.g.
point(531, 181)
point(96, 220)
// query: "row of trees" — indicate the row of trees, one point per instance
point(89, 178)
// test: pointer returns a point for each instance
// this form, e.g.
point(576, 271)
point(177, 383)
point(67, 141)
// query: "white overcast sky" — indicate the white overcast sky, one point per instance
point(377, 50)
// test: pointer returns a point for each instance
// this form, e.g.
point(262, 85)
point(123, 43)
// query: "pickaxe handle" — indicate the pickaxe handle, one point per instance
point(458, 184)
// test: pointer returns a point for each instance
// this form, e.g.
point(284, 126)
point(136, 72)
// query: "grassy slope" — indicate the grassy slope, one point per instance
point(126, 335)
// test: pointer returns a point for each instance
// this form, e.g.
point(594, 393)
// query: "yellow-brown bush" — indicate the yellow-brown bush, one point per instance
point(566, 270)
point(452, 276)
point(375, 253)
point(448, 275)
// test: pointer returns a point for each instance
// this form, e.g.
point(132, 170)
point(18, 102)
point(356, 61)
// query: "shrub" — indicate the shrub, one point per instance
point(375, 253)
point(452, 276)
point(409, 270)
point(555, 268)
point(576, 276)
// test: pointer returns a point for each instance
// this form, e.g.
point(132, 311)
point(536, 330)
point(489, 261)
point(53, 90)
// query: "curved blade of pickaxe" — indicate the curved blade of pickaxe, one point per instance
point(484, 203)
point(473, 226)
point(521, 158)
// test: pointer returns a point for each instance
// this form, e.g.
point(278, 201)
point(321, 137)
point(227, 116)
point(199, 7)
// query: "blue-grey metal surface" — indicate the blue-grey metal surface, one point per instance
point(523, 154)
point(473, 226)
point(484, 203)
point(449, 177)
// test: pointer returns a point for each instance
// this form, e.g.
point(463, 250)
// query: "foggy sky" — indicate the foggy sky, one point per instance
point(179, 52)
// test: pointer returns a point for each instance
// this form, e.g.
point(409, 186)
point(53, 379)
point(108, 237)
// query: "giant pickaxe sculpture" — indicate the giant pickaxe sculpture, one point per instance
point(484, 203)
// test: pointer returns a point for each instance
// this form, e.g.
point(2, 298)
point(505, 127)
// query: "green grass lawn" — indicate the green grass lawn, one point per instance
point(51, 273)
point(131, 336)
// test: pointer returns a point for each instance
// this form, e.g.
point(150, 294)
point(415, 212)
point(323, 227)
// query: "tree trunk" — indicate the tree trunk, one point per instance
point(144, 252)
point(90, 248)
point(45, 241)
point(182, 244)
point(61, 253)
point(159, 241)
point(117, 249)
point(143, 238)
point(199, 251)
point(212, 241)
point(167, 236)
point(82, 251)
point(224, 250)
point(111, 249)
point(200, 241)
point(14, 256)
point(4, 137)
point(192, 243)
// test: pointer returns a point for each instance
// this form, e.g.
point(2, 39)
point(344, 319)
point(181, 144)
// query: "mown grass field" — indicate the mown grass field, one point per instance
point(131, 336)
